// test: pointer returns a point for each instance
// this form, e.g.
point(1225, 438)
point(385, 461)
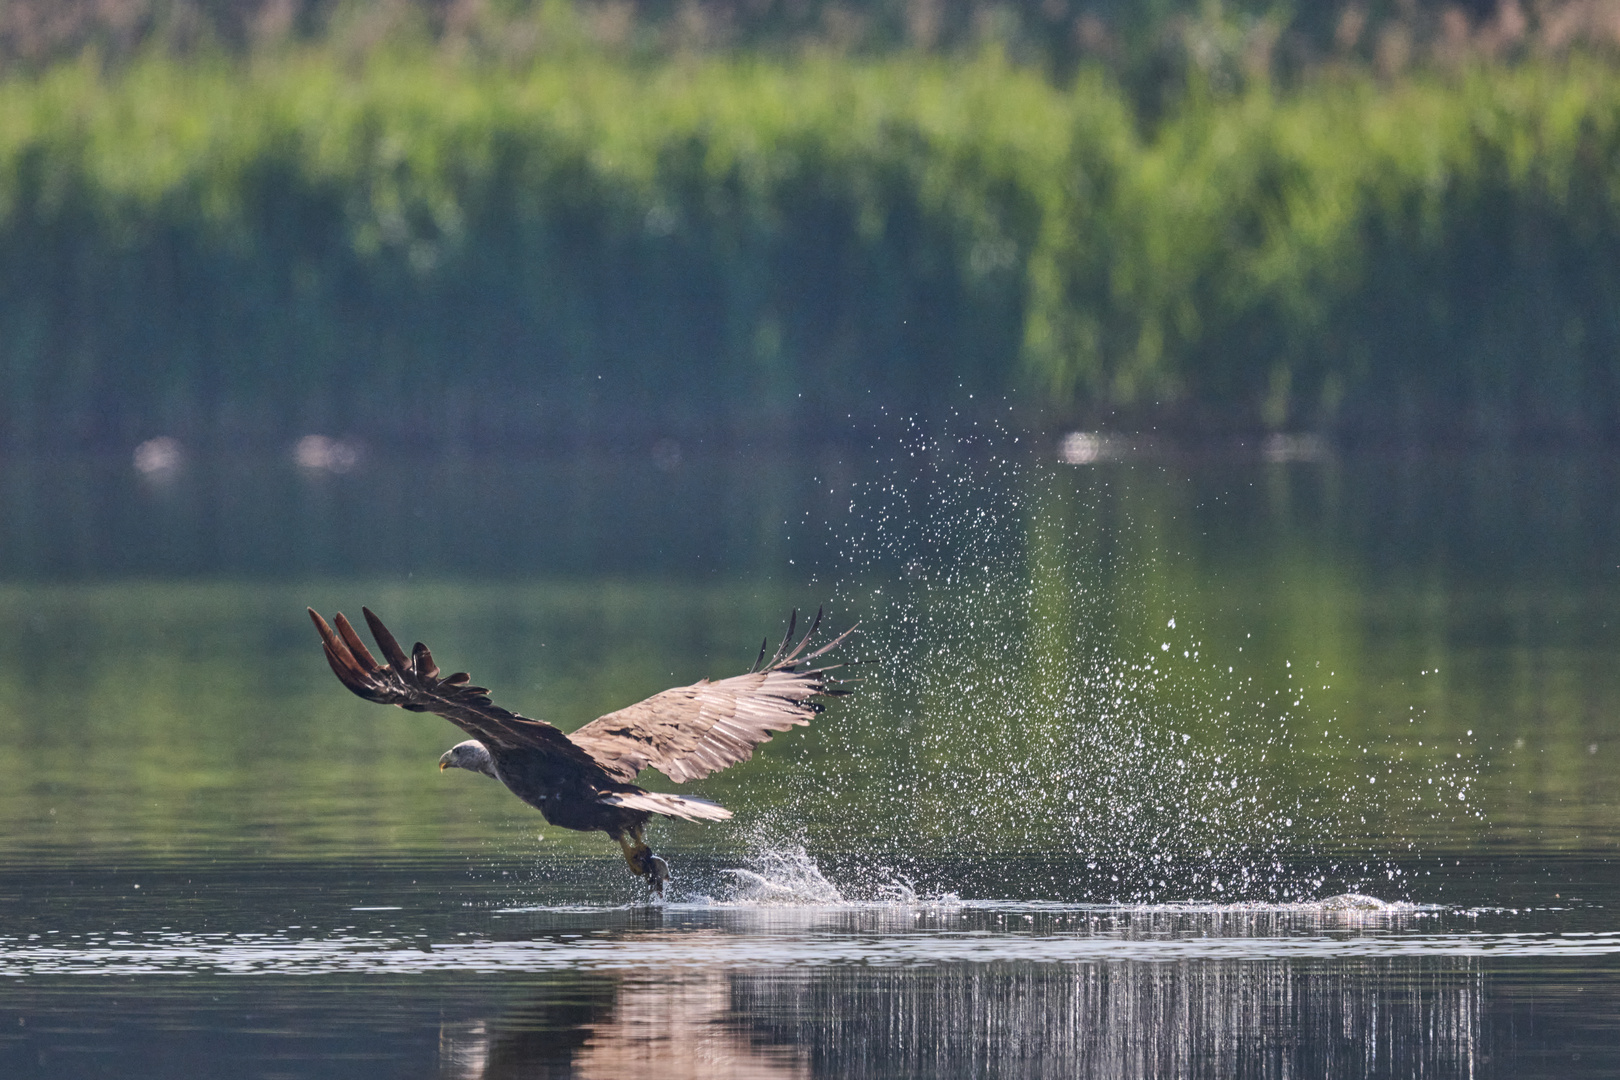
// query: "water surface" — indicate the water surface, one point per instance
point(1125, 735)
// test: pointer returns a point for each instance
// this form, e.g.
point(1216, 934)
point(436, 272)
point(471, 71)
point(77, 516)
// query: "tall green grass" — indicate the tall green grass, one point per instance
point(419, 251)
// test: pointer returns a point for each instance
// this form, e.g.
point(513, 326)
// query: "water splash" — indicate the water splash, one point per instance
point(780, 877)
point(1040, 690)
point(1356, 902)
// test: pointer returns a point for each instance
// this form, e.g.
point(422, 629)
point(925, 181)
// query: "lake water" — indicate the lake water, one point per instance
point(1155, 766)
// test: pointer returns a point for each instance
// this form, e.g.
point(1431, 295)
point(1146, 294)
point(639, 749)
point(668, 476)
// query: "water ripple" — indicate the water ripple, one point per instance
point(174, 953)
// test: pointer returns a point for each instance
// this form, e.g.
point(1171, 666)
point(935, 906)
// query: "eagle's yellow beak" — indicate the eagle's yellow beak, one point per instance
point(443, 765)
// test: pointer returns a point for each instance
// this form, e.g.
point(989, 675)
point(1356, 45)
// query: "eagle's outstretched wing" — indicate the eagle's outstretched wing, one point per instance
point(413, 682)
point(692, 731)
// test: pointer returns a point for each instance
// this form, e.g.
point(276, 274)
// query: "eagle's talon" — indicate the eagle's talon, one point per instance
point(643, 863)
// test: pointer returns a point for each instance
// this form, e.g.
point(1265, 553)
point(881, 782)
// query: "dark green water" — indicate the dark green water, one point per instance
point(1122, 732)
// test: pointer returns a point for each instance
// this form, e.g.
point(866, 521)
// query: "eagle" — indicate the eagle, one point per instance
point(583, 780)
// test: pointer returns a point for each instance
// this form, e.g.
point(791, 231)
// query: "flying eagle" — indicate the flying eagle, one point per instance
point(583, 781)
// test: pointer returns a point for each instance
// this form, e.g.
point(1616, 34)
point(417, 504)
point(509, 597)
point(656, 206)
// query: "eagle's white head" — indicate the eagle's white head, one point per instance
point(471, 754)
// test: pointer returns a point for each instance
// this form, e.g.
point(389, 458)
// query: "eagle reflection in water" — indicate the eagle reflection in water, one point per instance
point(601, 1026)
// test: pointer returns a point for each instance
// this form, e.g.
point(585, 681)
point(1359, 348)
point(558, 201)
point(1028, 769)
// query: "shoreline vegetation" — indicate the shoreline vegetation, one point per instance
point(419, 245)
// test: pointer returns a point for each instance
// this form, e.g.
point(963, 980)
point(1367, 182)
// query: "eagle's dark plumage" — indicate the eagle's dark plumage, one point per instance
point(583, 780)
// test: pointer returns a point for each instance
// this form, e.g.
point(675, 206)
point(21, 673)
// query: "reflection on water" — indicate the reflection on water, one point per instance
point(600, 1027)
point(415, 970)
point(1130, 1019)
point(1176, 671)
point(1120, 1020)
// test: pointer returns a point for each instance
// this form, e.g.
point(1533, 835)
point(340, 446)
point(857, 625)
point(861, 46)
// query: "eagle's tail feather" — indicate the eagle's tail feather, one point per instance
point(656, 802)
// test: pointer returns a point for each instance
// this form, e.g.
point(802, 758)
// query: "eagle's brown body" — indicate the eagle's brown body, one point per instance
point(584, 780)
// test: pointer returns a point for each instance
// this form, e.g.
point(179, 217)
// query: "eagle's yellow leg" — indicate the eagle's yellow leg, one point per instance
point(643, 863)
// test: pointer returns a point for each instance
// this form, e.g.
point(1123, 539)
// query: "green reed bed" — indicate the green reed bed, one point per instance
point(418, 251)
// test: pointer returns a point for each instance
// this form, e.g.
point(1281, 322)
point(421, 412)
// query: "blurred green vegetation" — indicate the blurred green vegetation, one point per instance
point(404, 233)
point(1155, 46)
